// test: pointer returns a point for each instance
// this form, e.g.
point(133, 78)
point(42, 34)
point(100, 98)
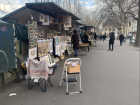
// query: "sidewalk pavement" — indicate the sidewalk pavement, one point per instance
point(108, 78)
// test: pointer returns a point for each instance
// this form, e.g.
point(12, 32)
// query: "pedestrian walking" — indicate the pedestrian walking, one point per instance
point(104, 38)
point(121, 38)
point(86, 37)
point(101, 37)
point(111, 41)
point(75, 41)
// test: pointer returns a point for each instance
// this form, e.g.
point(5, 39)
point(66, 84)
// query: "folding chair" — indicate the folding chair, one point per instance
point(40, 80)
point(67, 80)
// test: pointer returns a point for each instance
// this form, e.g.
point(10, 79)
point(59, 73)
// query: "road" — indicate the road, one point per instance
point(108, 78)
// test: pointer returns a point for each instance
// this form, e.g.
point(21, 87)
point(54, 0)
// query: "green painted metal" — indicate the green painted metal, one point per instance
point(7, 48)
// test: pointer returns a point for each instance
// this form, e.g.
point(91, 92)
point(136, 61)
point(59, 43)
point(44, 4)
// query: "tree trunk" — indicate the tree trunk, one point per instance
point(137, 41)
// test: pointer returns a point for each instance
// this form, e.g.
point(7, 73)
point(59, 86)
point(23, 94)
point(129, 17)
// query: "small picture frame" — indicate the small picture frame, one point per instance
point(32, 53)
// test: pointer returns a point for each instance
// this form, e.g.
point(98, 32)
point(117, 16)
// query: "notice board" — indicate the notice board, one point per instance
point(7, 47)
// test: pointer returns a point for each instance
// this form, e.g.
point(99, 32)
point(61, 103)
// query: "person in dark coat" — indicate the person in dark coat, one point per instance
point(95, 36)
point(86, 39)
point(75, 38)
point(121, 38)
point(101, 37)
point(104, 37)
point(111, 41)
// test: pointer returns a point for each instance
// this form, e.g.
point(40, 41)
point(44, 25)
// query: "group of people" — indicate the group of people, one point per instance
point(103, 37)
point(84, 38)
point(112, 39)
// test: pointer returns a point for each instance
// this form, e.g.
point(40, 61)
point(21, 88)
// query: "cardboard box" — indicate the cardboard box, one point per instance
point(73, 69)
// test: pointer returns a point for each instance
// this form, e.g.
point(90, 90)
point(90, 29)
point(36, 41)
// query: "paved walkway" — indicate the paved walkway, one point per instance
point(108, 78)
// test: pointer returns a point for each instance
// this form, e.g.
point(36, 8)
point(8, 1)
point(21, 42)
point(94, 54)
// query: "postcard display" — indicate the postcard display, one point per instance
point(32, 36)
point(37, 47)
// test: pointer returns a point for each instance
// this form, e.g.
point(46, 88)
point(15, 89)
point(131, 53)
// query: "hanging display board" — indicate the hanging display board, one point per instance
point(32, 34)
point(7, 47)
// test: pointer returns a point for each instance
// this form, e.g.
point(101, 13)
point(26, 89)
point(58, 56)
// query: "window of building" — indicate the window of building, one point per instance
point(105, 29)
point(114, 29)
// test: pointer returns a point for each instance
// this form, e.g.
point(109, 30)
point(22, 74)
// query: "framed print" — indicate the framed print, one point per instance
point(67, 21)
point(32, 53)
point(46, 20)
point(41, 17)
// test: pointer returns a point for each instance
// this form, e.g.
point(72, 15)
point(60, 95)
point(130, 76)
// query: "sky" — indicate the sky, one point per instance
point(7, 6)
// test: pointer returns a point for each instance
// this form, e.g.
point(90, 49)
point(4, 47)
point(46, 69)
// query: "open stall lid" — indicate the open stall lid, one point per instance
point(23, 14)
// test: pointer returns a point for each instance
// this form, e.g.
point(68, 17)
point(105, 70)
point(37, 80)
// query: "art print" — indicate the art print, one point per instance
point(67, 22)
point(46, 20)
point(32, 53)
point(41, 18)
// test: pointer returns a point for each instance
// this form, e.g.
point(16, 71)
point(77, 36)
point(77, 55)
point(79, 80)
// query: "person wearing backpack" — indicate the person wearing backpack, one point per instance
point(111, 41)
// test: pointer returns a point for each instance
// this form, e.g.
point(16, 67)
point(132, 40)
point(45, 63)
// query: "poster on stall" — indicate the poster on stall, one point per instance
point(67, 21)
point(32, 53)
point(46, 20)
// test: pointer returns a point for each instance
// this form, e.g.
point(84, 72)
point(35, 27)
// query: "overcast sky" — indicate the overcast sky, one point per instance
point(8, 6)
